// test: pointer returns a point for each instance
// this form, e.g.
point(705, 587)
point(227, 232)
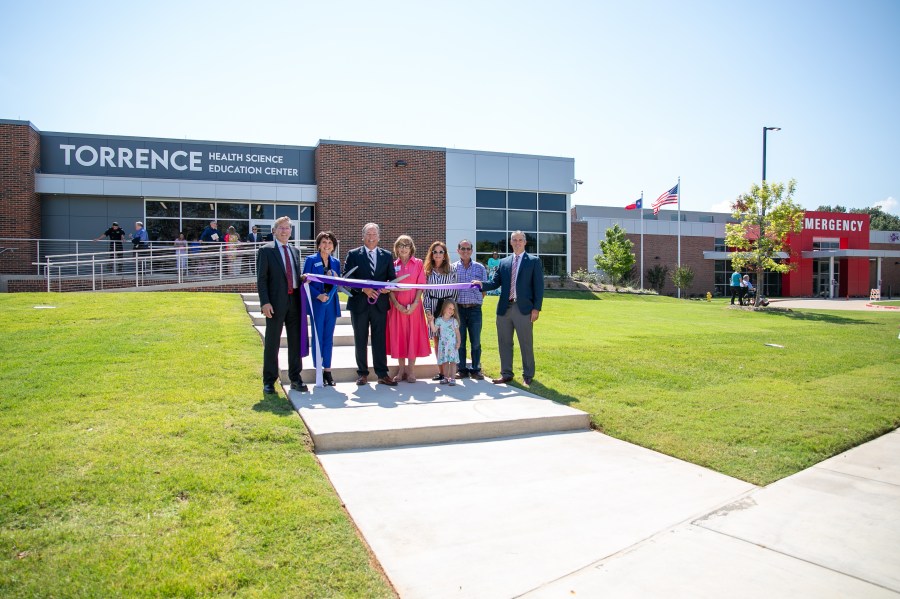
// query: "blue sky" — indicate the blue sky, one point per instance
point(639, 92)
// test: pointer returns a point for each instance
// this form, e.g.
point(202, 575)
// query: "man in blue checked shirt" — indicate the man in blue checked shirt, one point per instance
point(469, 304)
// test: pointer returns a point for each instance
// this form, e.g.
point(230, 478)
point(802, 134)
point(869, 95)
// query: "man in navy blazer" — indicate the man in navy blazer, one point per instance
point(520, 278)
point(280, 304)
point(366, 316)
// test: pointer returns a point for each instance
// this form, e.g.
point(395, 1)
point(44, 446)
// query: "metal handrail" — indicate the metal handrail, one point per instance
point(41, 248)
point(168, 266)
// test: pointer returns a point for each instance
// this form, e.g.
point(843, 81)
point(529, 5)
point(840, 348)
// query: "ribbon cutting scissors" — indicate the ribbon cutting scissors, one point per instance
point(397, 280)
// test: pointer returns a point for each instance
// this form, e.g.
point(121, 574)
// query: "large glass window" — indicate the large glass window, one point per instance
point(490, 198)
point(165, 218)
point(541, 216)
point(198, 210)
point(519, 220)
point(722, 280)
point(490, 219)
point(520, 200)
point(487, 242)
point(552, 201)
point(228, 211)
point(163, 209)
point(291, 211)
point(262, 212)
point(552, 221)
point(162, 229)
point(551, 243)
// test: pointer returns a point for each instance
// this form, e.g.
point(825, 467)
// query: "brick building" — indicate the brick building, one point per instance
point(65, 189)
point(58, 191)
point(836, 254)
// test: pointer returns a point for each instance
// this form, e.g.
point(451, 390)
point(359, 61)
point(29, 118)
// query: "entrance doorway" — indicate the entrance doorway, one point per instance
point(822, 280)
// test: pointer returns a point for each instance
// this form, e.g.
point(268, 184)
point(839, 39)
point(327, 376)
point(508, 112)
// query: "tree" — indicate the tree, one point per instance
point(657, 277)
point(682, 277)
point(617, 258)
point(767, 215)
point(879, 220)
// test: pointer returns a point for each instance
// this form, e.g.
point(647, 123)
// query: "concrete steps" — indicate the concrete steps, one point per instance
point(343, 365)
point(343, 334)
point(351, 417)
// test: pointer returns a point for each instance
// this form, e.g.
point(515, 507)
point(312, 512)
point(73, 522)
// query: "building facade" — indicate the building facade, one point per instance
point(836, 254)
point(66, 186)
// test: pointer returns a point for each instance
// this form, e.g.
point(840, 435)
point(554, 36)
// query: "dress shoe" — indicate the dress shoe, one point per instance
point(268, 388)
point(327, 379)
point(526, 380)
point(462, 375)
point(478, 376)
point(386, 380)
point(502, 380)
point(362, 380)
point(299, 386)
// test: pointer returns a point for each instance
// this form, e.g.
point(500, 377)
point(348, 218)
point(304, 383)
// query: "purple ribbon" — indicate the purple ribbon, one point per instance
point(367, 284)
point(360, 284)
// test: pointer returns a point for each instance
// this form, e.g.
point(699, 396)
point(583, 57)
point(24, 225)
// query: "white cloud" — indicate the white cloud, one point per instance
point(723, 206)
point(889, 204)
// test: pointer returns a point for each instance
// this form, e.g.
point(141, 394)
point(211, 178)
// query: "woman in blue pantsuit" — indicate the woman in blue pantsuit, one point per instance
point(326, 305)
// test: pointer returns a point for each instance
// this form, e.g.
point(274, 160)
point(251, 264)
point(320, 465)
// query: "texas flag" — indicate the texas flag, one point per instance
point(636, 206)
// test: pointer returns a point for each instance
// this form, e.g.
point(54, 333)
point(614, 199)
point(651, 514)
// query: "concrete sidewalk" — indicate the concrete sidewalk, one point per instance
point(824, 304)
point(582, 514)
point(454, 505)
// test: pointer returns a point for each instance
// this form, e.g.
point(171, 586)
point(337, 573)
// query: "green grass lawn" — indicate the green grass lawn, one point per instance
point(138, 458)
point(696, 380)
point(888, 303)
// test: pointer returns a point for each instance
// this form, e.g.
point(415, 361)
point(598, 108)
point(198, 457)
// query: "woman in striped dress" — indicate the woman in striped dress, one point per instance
point(438, 271)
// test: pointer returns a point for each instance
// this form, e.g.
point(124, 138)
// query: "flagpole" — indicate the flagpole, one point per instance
point(642, 240)
point(679, 228)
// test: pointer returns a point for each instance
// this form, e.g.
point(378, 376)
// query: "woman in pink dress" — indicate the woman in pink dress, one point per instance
point(407, 336)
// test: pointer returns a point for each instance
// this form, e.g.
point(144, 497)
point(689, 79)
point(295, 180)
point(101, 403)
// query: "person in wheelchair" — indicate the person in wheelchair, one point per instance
point(749, 291)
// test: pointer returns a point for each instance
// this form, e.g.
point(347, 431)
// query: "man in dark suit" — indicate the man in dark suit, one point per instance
point(374, 264)
point(520, 278)
point(278, 279)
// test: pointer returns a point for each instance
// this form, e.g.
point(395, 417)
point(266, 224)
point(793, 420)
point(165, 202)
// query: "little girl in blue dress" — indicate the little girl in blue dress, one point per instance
point(446, 329)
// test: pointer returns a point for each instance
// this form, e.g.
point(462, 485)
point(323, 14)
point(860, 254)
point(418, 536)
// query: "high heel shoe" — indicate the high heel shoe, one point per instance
point(326, 378)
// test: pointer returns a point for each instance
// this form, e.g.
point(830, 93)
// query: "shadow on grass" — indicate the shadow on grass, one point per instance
point(542, 390)
point(817, 317)
point(274, 403)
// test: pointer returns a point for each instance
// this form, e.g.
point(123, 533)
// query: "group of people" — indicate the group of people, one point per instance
point(741, 288)
point(209, 238)
point(406, 323)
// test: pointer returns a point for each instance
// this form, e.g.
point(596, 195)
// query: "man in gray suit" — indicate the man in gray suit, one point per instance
point(278, 280)
point(520, 278)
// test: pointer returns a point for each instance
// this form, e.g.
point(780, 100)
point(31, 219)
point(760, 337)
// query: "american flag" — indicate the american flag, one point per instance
point(669, 197)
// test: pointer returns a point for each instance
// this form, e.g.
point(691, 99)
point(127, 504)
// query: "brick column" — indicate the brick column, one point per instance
point(20, 206)
point(360, 184)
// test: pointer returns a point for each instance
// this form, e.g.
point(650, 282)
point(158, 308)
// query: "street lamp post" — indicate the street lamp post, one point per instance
point(762, 215)
point(765, 131)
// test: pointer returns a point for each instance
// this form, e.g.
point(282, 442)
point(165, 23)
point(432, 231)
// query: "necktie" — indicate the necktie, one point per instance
point(515, 275)
point(372, 261)
point(288, 270)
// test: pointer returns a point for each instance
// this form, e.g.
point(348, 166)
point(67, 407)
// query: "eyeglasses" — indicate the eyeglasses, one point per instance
point(465, 249)
point(438, 252)
point(403, 245)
